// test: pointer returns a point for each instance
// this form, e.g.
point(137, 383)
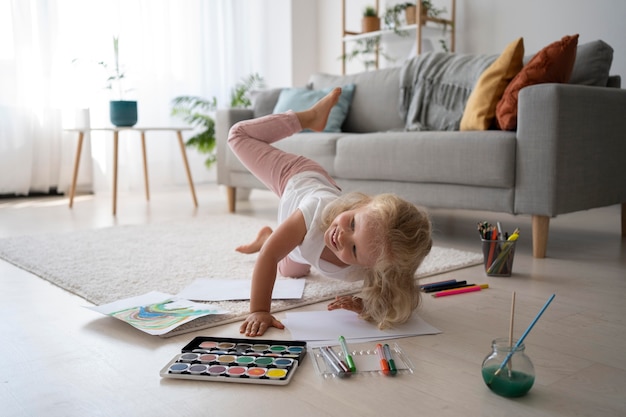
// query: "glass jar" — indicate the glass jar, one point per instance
point(517, 376)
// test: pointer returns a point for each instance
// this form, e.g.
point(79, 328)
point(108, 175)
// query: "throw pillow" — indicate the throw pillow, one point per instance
point(264, 101)
point(593, 63)
point(553, 64)
point(298, 99)
point(480, 109)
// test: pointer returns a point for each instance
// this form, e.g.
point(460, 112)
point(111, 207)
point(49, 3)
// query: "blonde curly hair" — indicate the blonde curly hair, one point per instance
point(390, 291)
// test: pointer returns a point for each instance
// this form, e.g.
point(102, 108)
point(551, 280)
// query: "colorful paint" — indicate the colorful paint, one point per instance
point(256, 372)
point(276, 373)
point(236, 360)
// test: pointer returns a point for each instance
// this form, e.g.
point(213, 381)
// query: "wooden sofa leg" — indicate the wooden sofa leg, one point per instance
point(231, 195)
point(541, 226)
point(623, 219)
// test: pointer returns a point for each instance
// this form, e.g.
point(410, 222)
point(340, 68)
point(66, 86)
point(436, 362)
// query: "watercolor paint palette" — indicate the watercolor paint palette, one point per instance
point(366, 362)
point(248, 361)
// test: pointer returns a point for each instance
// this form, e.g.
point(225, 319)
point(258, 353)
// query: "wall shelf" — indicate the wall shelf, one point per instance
point(428, 27)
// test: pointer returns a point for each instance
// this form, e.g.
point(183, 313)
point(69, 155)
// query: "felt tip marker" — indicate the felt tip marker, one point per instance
point(462, 290)
point(333, 362)
point(384, 365)
point(438, 284)
point(390, 361)
point(346, 354)
point(458, 284)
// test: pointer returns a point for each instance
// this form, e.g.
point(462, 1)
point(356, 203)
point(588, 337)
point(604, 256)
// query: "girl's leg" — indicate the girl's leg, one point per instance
point(291, 269)
point(251, 141)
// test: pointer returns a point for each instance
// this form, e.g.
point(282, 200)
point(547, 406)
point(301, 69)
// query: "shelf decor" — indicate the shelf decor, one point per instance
point(370, 21)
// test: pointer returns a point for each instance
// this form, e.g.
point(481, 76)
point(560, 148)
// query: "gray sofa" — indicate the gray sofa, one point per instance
point(567, 154)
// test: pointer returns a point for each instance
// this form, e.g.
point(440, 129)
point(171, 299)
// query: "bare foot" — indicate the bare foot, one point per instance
point(257, 243)
point(316, 117)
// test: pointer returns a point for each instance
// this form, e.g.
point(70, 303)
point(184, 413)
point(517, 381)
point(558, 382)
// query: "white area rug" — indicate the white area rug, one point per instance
point(106, 265)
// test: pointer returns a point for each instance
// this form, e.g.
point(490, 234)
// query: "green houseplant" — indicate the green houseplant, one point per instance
point(392, 17)
point(366, 49)
point(122, 112)
point(199, 112)
point(370, 21)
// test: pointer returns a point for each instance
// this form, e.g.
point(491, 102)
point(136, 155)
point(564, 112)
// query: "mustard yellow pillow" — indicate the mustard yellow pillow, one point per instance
point(480, 109)
point(553, 64)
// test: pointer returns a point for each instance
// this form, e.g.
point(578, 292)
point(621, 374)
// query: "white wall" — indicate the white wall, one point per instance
point(482, 26)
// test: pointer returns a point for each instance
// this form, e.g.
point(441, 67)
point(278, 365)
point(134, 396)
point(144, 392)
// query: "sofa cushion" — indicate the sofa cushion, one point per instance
point(553, 64)
point(264, 101)
point(374, 105)
point(480, 109)
point(481, 159)
point(298, 99)
point(593, 63)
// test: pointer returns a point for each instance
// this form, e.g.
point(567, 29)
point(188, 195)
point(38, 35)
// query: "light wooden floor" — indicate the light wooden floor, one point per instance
point(59, 359)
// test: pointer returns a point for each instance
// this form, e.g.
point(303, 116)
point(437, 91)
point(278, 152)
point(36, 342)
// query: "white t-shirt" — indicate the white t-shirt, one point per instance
point(310, 192)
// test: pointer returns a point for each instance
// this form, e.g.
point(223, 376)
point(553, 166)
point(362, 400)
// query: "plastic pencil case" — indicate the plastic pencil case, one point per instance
point(366, 361)
point(247, 361)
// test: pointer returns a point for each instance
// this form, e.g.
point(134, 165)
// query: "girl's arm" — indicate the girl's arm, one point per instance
point(282, 241)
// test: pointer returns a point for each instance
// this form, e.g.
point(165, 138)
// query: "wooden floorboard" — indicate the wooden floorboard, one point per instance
point(60, 359)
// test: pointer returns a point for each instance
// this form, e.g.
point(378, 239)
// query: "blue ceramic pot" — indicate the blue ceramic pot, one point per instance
point(123, 113)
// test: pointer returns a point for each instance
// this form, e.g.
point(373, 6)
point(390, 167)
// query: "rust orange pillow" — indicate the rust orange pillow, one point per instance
point(480, 109)
point(553, 64)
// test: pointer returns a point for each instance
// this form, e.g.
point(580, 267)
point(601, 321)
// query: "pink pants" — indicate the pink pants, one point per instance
point(251, 141)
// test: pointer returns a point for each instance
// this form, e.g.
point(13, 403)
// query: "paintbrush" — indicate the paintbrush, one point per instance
point(511, 330)
point(521, 339)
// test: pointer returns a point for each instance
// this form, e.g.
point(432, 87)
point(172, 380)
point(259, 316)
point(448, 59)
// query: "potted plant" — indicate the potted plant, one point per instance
point(199, 113)
point(429, 10)
point(392, 16)
point(370, 21)
point(122, 112)
point(367, 49)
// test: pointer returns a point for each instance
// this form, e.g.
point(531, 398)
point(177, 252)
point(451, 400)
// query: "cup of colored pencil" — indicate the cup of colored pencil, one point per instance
point(498, 249)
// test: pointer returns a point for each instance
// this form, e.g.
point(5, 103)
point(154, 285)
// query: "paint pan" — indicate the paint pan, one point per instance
point(263, 361)
point(179, 368)
point(226, 359)
point(226, 345)
point(276, 373)
point(189, 357)
point(217, 370)
point(198, 369)
point(245, 360)
point(260, 347)
point(256, 372)
point(207, 358)
point(236, 371)
point(209, 344)
point(283, 362)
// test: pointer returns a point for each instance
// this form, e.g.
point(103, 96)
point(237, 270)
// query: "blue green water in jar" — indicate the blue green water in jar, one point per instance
point(513, 384)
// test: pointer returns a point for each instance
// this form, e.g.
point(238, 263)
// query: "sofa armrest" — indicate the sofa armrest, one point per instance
point(224, 120)
point(571, 148)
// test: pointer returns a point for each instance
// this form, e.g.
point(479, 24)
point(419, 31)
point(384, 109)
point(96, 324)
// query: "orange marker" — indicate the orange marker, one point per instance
point(462, 290)
point(384, 365)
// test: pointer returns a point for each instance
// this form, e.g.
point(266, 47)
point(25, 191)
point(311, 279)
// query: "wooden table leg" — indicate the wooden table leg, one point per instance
point(79, 149)
point(115, 149)
point(145, 164)
point(184, 153)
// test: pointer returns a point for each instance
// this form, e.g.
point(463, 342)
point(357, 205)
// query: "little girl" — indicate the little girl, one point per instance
point(381, 240)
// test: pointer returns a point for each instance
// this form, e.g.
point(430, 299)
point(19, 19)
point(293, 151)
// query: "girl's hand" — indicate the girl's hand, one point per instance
point(347, 302)
point(257, 323)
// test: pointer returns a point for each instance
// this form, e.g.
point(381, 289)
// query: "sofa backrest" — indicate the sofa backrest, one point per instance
point(375, 102)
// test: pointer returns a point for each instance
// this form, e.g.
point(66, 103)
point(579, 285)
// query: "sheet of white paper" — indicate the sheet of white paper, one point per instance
point(327, 326)
point(156, 313)
point(203, 289)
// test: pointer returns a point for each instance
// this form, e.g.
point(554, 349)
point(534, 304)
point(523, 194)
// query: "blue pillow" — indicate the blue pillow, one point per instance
point(298, 99)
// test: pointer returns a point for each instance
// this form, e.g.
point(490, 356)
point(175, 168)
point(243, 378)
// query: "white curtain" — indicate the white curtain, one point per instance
point(49, 71)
